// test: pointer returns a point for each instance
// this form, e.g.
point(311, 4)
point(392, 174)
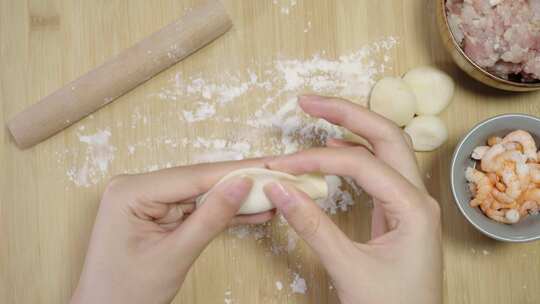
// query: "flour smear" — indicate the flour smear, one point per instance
point(98, 155)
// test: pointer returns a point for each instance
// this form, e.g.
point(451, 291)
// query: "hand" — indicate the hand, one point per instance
point(144, 243)
point(402, 263)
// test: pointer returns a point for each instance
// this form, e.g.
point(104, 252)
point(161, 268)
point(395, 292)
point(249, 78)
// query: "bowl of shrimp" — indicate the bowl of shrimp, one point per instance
point(495, 177)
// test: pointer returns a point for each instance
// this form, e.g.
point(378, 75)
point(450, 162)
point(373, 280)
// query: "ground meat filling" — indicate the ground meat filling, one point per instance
point(502, 36)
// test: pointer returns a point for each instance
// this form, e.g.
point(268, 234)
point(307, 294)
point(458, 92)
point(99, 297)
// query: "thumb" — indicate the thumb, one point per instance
point(200, 228)
point(310, 222)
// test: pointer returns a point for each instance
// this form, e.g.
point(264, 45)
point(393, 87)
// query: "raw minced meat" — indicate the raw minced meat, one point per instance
point(502, 36)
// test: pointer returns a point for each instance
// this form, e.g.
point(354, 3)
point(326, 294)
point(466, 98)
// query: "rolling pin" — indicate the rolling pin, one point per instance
point(97, 88)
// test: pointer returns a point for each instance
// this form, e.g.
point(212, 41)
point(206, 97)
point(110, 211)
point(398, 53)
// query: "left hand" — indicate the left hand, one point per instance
point(402, 263)
point(143, 245)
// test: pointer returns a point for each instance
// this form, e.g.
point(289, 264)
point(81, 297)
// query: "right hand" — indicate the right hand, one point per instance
point(402, 263)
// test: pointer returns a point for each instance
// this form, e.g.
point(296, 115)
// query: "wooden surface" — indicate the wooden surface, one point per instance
point(45, 220)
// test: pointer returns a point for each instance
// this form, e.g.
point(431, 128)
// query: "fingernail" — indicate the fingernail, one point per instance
point(279, 195)
point(237, 189)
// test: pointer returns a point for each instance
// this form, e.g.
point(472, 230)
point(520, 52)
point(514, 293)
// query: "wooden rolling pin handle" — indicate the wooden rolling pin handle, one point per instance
point(127, 70)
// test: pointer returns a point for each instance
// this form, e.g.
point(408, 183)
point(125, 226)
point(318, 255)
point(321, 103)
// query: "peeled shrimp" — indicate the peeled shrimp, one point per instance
point(526, 140)
point(500, 186)
point(492, 141)
point(488, 162)
point(494, 160)
point(524, 176)
point(529, 207)
point(515, 181)
point(472, 189)
point(503, 213)
point(482, 183)
point(511, 216)
point(513, 146)
point(534, 171)
point(493, 178)
point(532, 195)
point(495, 215)
point(498, 205)
point(502, 197)
point(479, 152)
point(486, 204)
point(511, 180)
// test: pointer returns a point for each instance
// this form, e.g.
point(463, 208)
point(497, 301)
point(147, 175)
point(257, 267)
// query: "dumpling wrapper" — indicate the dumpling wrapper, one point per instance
point(392, 98)
point(434, 89)
point(314, 185)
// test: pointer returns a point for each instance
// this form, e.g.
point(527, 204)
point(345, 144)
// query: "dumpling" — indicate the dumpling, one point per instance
point(314, 185)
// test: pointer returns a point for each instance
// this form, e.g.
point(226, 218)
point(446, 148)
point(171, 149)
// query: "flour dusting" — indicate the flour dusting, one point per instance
point(339, 200)
point(285, 6)
point(276, 125)
point(202, 112)
point(350, 76)
point(98, 155)
point(259, 103)
point(298, 284)
point(228, 297)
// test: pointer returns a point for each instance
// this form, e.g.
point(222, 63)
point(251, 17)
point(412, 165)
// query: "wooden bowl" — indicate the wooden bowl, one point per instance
point(468, 65)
